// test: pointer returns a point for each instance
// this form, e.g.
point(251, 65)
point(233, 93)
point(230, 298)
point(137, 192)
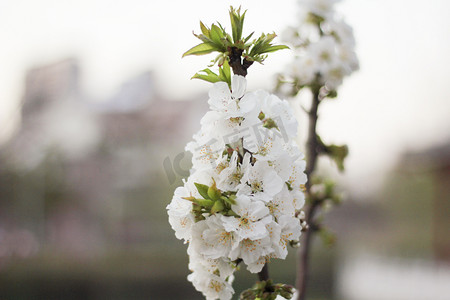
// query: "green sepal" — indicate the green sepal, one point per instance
point(190, 198)
point(289, 186)
point(202, 189)
point(261, 116)
point(231, 213)
point(231, 200)
point(332, 94)
point(199, 217)
point(270, 123)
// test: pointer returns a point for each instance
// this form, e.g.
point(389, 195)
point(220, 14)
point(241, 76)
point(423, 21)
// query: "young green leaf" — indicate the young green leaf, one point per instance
point(200, 49)
point(248, 37)
point(225, 72)
point(210, 76)
point(202, 189)
point(237, 23)
point(204, 202)
point(216, 37)
point(275, 48)
point(205, 30)
point(338, 154)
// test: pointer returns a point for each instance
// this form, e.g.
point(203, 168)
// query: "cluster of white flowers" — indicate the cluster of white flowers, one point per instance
point(241, 201)
point(324, 45)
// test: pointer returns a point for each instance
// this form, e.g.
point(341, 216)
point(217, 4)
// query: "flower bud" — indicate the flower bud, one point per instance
point(218, 206)
point(213, 192)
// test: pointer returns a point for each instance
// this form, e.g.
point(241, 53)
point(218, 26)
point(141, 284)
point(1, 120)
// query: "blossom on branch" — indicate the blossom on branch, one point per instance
point(245, 189)
point(324, 47)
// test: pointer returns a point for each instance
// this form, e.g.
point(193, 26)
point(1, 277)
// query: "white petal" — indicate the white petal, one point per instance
point(238, 86)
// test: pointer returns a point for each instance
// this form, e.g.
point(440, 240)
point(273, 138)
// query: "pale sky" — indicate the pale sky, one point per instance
point(400, 99)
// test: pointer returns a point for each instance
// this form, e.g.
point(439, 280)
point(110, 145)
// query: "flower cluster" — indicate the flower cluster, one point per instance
point(240, 203)
point(324, 45)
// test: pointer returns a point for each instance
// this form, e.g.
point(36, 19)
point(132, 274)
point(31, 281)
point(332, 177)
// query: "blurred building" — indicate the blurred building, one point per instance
point(435, 163)
point(81, 176)
point(407, 255)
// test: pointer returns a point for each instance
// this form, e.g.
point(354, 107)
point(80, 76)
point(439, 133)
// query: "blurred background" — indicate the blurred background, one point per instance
point(96, 106)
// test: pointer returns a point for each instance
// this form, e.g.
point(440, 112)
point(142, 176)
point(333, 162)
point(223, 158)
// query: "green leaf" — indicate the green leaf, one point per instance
point(202, 189)
point(216, 37)
point(234, 24)
point(210, 76)
point(204, 29)
point(204, 202)
point(248, 37)
point(204, 38)
point(328, 238)
point(225, 73)
point(237, 23)
point(200, 49)
point(263, 45)
point(275, 48)
point(338, 154)
point(228, 42)
point(269, 38)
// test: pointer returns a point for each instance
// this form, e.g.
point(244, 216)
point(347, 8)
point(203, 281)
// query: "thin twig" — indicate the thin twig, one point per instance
point(264, 274)
point(312, 152)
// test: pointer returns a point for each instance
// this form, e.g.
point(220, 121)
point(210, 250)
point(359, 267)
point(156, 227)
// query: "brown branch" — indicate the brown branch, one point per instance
point(312, 152)
point(312, 144)
point(238, 65)
point(264, 274)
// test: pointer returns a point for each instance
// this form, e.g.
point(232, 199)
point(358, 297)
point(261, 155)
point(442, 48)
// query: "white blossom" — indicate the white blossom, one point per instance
point(290, 231)
point(244, 189)
point(211, 285)
point(260, 181)
point(180, 217)
point(216, 240)
point(230, 172)
point(323, 45)
point(321, 8)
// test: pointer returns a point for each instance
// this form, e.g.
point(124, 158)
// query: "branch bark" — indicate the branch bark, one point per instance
point(312, 152)
point(264, 274)
point(236, 62)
